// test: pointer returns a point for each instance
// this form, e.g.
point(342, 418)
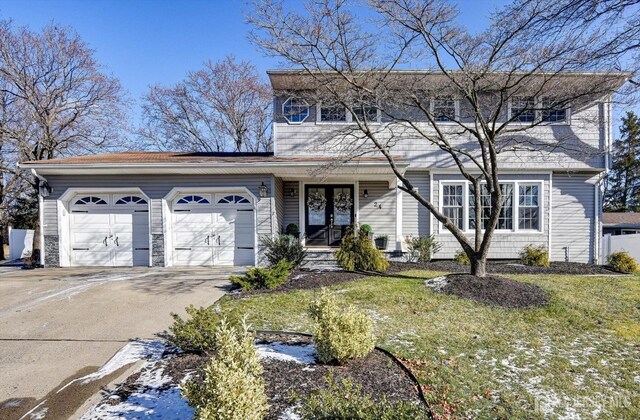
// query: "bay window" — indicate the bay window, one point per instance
point(521, 205)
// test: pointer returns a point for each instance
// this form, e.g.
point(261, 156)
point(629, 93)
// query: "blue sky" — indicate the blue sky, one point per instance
point(145, 42)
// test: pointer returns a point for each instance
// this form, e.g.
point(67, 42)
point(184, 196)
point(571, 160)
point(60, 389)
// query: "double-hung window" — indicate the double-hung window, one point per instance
point(528, 206)
point(552, 112)
point(523, 108)
point(333, 113)
point(444, 109)
point(521, 205)
point(453, 203)
point(505, 219)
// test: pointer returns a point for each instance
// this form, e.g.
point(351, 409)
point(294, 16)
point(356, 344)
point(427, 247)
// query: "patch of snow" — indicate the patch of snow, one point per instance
point(130, 353)
point(38, 415)
point(33, 414)
point(287, 352)
point(290, 413)
point(152, 404)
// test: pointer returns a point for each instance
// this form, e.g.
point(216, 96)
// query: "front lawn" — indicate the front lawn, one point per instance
point(579, 356)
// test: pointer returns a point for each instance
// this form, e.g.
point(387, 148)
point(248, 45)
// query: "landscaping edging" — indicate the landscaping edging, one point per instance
point(387, 353)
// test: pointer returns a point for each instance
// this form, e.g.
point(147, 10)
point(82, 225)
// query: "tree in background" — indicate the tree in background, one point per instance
point(56, 101)
point(623, 183)
point(347, 57)
point(223, 107)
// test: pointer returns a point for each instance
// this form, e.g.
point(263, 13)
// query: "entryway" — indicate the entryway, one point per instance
point(328, 212)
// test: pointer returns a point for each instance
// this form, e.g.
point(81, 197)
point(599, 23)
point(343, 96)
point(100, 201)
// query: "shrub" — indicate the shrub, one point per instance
point(232, 387)
point(462, 258)
point(283, 247)
point(264, 278)
point(197, 334)
point(366, 229)
point(340, 335)
point(622, 262)
point(535, 256)
point(357, 252)
point(421, 248)
point(347, 401)
point(292, 229)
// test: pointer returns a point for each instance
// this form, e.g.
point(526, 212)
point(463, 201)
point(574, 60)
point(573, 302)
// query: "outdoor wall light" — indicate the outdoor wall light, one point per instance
point(366, 193)
point(263, 190)
point(44, 189)
point(292, 192)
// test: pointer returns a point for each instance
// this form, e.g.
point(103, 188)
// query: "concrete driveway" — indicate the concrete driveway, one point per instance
point(56, 324)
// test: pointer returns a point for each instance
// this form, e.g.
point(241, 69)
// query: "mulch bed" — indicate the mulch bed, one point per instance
point(378, 375)
point(304, 280)
point(505, 267)
point(495, 291)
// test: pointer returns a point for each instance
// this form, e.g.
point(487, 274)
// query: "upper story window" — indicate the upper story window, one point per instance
point(444, 109)
point(366, 112)
point(332, 113)
point(552, 112)
point(295, 110)
point(523, 108)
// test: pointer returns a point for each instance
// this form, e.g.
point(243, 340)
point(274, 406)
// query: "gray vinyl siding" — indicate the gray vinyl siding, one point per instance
point(278, 197)
point(291, 204)
point(578, 145)
point(505, 244)
point(573, 217)
point(50, 217)
point(415, 217)
point(156, 187)
point(378, 209)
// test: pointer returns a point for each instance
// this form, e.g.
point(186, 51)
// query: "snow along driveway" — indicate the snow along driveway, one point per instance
point(56, 323)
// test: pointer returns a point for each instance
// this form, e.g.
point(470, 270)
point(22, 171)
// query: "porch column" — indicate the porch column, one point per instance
point(399, 238)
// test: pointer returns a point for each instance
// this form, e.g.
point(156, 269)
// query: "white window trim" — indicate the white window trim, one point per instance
point(296, 122)
point(516, 198)
point(348, 117)
point(538, 117)
point(456, 105)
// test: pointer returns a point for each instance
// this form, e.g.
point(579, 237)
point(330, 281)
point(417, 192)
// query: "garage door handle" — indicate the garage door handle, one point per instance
point(218, 239)
point(104, 241)
point(183, 249)
point(80, 249)
point(206, 240)
point(116, 241)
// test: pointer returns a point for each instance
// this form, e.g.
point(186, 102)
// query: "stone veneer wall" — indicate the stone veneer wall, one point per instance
point(157, 253)
point(51, 251)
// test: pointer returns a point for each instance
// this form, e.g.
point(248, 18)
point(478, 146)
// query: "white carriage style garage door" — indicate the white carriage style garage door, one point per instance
point(109, 230)
point(213, 229)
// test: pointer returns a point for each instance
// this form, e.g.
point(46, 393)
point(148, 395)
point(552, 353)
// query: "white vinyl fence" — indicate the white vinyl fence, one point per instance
point(20, 243)
point(617, 243)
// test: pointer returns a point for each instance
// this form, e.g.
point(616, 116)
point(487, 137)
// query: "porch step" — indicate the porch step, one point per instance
point(323, 260)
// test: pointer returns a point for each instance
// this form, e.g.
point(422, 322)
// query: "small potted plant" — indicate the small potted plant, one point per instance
point(381, 241)
point(366, 229)
point(292, 230)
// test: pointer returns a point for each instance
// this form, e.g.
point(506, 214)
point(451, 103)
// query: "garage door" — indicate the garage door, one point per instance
point(109, 230)
point(213, 229)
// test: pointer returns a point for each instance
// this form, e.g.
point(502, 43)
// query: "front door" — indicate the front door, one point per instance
point(328, 212)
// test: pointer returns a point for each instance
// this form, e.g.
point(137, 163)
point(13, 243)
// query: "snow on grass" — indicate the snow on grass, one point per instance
point(304, 354)
point(152, 404)
point(130, 353)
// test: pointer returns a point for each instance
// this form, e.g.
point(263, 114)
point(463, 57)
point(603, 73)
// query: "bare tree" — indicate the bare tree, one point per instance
point(532, 49)
point(224, 106)
point(57, 102)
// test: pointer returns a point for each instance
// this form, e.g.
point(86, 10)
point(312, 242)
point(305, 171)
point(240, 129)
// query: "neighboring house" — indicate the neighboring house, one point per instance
point(620, 223)
point(174, 209)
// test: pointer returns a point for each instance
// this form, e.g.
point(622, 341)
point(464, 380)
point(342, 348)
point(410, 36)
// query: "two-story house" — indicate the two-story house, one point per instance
point(175, 209)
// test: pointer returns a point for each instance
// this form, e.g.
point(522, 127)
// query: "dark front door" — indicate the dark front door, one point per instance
point(328, 212)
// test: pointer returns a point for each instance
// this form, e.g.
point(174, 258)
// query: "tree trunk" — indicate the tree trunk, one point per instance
point(478, 266)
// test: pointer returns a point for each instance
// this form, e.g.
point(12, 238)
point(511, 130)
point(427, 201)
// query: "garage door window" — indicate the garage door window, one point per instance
point(233, 199)
point(131, 199)
point(193, 199)
point(90, 201)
